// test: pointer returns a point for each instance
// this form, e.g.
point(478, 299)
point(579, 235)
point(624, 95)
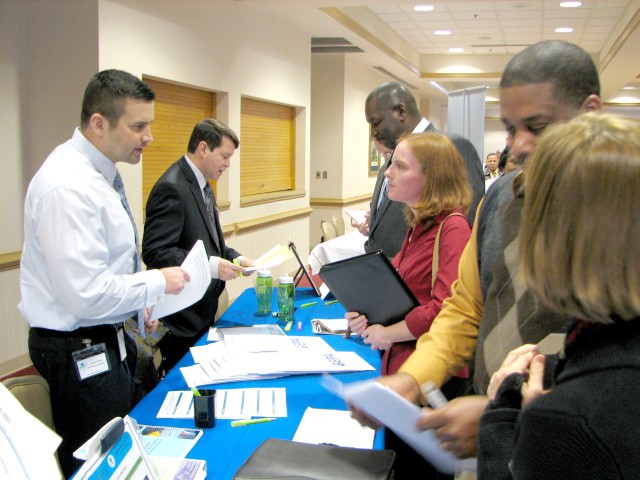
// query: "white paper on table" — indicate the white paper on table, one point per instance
point(336, 427)
point(204, 353)
point(357, 215)
point(216, 334)
point(307, 362)
point(197, 375)
point(274, 257)
point(197, 266)
point(251, 402)
point(229, 403)
point(398, 414)
point(330, 326)
point(27, 445)
point(240, 345)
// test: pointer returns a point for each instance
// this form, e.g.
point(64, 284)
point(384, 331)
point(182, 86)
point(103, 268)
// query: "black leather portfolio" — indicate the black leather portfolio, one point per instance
point(370, 285)
point(283, 459)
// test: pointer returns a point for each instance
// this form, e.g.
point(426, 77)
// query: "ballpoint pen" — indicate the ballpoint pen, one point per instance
point(433, 394)
point(251, 421)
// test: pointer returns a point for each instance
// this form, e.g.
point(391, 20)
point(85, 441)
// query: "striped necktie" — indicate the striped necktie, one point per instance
point(383, 193)
point(119, 187)
point(210, 202)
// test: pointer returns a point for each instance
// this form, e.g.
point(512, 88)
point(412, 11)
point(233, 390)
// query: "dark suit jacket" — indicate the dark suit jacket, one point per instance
point(388, 227)
point(176, 219)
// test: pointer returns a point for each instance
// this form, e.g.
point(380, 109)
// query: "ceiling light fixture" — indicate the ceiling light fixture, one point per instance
point(570, 4)
point(563, 30)
point(456, 50)
point(423, 8)
point(442, 32)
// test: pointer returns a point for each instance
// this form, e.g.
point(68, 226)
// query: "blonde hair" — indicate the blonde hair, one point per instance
point(580, 234)
point(446, 186)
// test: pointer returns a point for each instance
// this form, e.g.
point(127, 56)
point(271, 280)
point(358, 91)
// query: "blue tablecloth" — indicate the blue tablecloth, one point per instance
point(226, 448)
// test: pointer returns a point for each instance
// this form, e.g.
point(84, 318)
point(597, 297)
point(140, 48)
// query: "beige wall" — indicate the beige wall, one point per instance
point(50, 48)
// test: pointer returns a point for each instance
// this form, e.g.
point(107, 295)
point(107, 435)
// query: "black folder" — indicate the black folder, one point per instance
point(277, 459)
point(370, 285)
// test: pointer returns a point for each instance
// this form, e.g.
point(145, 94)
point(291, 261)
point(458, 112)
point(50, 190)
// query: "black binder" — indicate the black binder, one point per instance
point(277, 459)
point(370, 285)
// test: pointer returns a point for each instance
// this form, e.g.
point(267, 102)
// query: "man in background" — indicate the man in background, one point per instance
point(79, 272)
point(491, 169)
point(181, 210)
point(391, 111)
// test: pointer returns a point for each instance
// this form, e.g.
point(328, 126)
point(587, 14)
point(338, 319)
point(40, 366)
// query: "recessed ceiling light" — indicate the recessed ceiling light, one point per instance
point(628, 88)
point(563, 30)
point(423, 8)
point(570, 4)
point(456, 50)
point(442, 32)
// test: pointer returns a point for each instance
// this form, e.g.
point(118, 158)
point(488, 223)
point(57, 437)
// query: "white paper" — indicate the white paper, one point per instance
point(330, 326)
point(336, 427)
point(217, 334)
point(27, 446)
point(236, 359)
point(274, 257)
point(398, 414)
point(357, 215)
point(197, 266)
point(229, 403)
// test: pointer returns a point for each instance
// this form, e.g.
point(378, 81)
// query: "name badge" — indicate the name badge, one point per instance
point(91, 361)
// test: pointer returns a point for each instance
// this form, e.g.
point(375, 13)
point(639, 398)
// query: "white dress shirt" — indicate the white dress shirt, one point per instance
point(202, 181)
point(77, 267)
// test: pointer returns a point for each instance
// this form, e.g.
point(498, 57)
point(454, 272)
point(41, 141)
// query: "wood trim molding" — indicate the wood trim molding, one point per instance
point(241, 227)
point(10, 260)
point(271, 197)
point(339, 202)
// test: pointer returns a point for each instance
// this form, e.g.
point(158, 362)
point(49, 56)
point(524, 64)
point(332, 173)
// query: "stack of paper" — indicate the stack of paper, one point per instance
point(330, 326)
point(254, 357)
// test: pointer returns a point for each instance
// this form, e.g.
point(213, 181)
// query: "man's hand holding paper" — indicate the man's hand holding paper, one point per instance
point(196, 265)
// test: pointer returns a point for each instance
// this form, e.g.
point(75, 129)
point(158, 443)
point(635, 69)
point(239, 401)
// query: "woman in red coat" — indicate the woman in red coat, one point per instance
point(428, 175)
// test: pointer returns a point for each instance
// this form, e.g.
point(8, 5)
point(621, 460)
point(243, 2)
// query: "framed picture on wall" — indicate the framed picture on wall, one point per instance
point(376, 160)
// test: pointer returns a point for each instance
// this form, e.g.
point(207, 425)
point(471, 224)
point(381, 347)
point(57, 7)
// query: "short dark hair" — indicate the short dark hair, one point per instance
point(106, 92)
point(564, 64)
point(211, 131)
point(390, 94)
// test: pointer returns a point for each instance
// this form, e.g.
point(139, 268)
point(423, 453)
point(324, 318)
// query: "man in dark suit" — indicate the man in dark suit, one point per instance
point(392, 111)
point(180, 210)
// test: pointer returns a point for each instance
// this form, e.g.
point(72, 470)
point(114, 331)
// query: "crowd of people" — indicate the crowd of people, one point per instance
point(495, 271)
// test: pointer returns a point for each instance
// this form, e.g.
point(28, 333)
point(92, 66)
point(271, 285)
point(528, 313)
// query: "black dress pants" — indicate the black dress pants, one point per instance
point(81, 407)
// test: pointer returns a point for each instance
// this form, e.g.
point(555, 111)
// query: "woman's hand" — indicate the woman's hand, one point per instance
point(376, 336)
point(357, 323)
point(526, 361)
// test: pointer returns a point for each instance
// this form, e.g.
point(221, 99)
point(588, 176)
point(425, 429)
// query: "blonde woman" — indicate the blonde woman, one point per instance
point(580, 255)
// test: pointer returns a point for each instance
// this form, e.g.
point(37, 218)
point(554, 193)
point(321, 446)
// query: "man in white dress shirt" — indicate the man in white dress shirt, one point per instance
point(79, 272)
